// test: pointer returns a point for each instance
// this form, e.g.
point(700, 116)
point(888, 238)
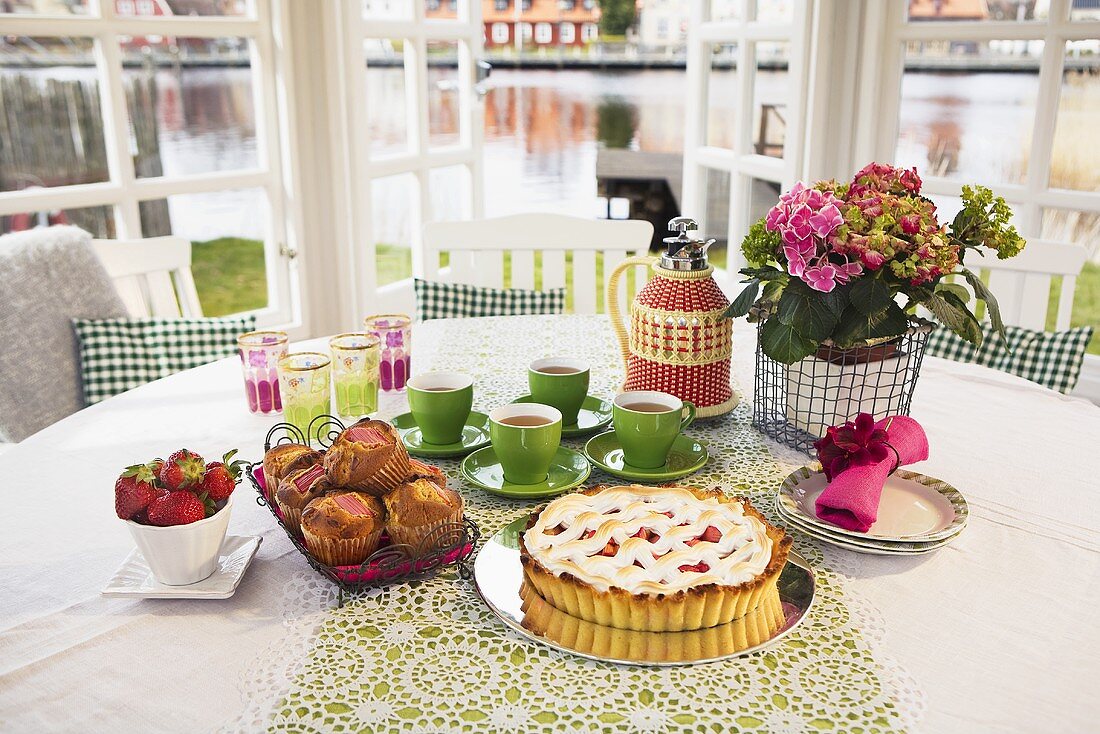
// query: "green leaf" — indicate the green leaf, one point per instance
point(869, 295)
point(952, 313)
point(856, 327)
point(744, 300)
point(783, 344)
point(982, 292)
point(957, 288)
point(807, 311)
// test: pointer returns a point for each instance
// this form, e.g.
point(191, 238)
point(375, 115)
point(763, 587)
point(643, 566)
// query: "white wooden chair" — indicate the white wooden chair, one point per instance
point(477, 250)
point(153, 275)
point(1022, 284)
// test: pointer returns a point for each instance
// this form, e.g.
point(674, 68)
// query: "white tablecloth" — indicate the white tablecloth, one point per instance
point(996, 630)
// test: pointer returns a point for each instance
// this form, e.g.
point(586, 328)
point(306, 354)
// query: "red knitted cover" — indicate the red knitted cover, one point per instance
point(702, 384)
point(682, 295)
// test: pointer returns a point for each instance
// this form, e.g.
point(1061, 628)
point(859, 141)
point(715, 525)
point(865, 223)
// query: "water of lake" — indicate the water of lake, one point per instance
point(543, 129)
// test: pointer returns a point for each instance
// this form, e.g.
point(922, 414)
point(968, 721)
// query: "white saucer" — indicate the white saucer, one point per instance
point(134, 579)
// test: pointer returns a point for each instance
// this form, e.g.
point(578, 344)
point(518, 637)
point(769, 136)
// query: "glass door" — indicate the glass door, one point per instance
point(415, 111)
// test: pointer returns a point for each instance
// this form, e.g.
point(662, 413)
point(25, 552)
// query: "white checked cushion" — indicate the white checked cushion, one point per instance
point(117, 355)
point(1051, 358)
point(436, 300)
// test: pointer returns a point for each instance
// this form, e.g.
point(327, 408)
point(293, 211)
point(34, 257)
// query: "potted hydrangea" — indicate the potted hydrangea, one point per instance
point(837, 271)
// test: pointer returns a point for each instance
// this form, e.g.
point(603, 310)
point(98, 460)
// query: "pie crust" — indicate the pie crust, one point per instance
point(744, 567)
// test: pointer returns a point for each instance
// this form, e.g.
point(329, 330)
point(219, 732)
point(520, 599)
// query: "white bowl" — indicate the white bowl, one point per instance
point(183, 554)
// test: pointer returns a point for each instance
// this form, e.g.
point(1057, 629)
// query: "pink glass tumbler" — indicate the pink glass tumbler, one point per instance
point(394, 332)
point(260, 353)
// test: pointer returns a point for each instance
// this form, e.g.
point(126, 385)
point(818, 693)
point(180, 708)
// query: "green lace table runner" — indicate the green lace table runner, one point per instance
point(431, 657)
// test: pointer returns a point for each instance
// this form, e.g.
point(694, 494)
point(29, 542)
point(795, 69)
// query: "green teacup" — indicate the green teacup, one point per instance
point(440, 403)
point(646, 425)
point(525, 438)
point(559, 382)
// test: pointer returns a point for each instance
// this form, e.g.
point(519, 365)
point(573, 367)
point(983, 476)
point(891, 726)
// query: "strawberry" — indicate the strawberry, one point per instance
point(712, 535)
point(221, 477)
point(610, 549)
point(182, 470)
point(134, 490)
point(176, 508)
point(700, 567)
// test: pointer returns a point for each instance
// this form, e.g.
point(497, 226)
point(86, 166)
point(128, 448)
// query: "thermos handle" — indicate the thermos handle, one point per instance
point(612, 300)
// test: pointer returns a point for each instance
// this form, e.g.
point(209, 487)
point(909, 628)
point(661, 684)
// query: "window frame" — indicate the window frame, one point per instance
point(544, 32)
point(572, 32)
point(500, 38)
point(741, 162)
point(124, 191)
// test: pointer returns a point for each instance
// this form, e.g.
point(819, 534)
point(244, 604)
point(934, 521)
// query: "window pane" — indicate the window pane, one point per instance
point(725, 9)
point(443, 115)
point(441, 9)
point(451, 193)
point(37, 7)
point(191, 105)
point(1075, 160)
point(387, 115)
point(51, 131)
point(770, 94)
point(978, 10)
point(717, 221)
point(236, 8)
point(387, 9)
point(394, 207)
point(1085, 11)
point(972, 123)
point(722, 94)
point(775, 11)
point(99, 220)
point(227, 230)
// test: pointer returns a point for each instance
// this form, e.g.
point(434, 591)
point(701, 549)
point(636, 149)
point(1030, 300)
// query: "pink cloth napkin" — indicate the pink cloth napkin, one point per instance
point(851, 500)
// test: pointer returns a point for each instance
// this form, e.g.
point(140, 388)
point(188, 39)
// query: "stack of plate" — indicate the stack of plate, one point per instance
point(917, 514)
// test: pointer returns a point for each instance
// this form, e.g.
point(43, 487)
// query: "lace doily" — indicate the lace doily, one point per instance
point(431, 657)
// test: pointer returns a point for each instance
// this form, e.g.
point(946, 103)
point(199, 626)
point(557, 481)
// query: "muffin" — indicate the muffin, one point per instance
point(343, 528)
point(369, 457)
point(420, 470)
point(281, 460)
point(415, 510)
point(297, 490)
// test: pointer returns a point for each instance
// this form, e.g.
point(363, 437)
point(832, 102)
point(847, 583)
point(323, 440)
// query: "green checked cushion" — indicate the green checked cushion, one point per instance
point(455, 300)
point(1051, 358)
point(117, 355)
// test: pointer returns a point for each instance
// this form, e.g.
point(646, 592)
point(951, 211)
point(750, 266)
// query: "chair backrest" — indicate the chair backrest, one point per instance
point(152, 276)
point(477, 250)
point(1022, 284)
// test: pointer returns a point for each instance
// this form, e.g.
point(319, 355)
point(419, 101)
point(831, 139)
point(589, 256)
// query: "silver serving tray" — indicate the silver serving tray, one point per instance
point(498, 577)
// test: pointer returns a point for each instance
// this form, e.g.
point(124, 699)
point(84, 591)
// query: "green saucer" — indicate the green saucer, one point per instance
point(474, 435)
point(568, 470)
point(594, 415)
point(686, 457)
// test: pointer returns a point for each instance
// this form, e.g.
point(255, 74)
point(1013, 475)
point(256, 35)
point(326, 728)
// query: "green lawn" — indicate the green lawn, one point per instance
point(229, 274)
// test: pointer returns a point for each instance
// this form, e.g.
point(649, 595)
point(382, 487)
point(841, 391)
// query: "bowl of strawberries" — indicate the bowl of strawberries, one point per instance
point(177, 510)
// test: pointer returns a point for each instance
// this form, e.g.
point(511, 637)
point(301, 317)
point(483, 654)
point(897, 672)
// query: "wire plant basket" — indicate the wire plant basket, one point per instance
point(795, 404)
point(449, 545)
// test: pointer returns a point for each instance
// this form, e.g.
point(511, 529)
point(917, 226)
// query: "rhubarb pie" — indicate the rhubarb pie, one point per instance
point(657, 559)
point(368, 456)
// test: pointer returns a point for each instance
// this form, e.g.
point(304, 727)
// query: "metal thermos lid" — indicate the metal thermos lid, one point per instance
point(684, 252)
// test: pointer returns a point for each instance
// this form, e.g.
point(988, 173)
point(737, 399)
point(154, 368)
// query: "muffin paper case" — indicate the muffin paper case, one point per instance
point(414, 535)
point(342, 551)
point(182, 554)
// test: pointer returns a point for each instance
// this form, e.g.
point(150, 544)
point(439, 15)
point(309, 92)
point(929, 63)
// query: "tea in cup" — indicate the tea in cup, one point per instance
point(647, 423)
point(560, 382)
point(440, 403)
point(525, 438)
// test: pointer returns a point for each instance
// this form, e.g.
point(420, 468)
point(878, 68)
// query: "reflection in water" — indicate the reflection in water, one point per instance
point(543, 128)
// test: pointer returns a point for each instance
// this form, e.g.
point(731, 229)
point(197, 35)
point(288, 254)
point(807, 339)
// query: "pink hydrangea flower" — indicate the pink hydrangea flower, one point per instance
point(821, 277)
point(826, 219)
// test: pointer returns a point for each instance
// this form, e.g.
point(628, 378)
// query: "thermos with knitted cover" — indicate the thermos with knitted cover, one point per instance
point(678, 341)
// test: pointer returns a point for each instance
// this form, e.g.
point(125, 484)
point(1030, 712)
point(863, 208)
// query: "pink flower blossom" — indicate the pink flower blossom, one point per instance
point(910, 223)
point(847, 271)
point(821, 277)
point(872, 259)
point(796, 263)
point(826, 219)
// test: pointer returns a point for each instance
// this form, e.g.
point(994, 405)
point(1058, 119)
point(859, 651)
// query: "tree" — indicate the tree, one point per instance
point(616, 16)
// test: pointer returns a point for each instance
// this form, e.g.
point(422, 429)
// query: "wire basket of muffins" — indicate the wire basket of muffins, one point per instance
point(360, 510)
